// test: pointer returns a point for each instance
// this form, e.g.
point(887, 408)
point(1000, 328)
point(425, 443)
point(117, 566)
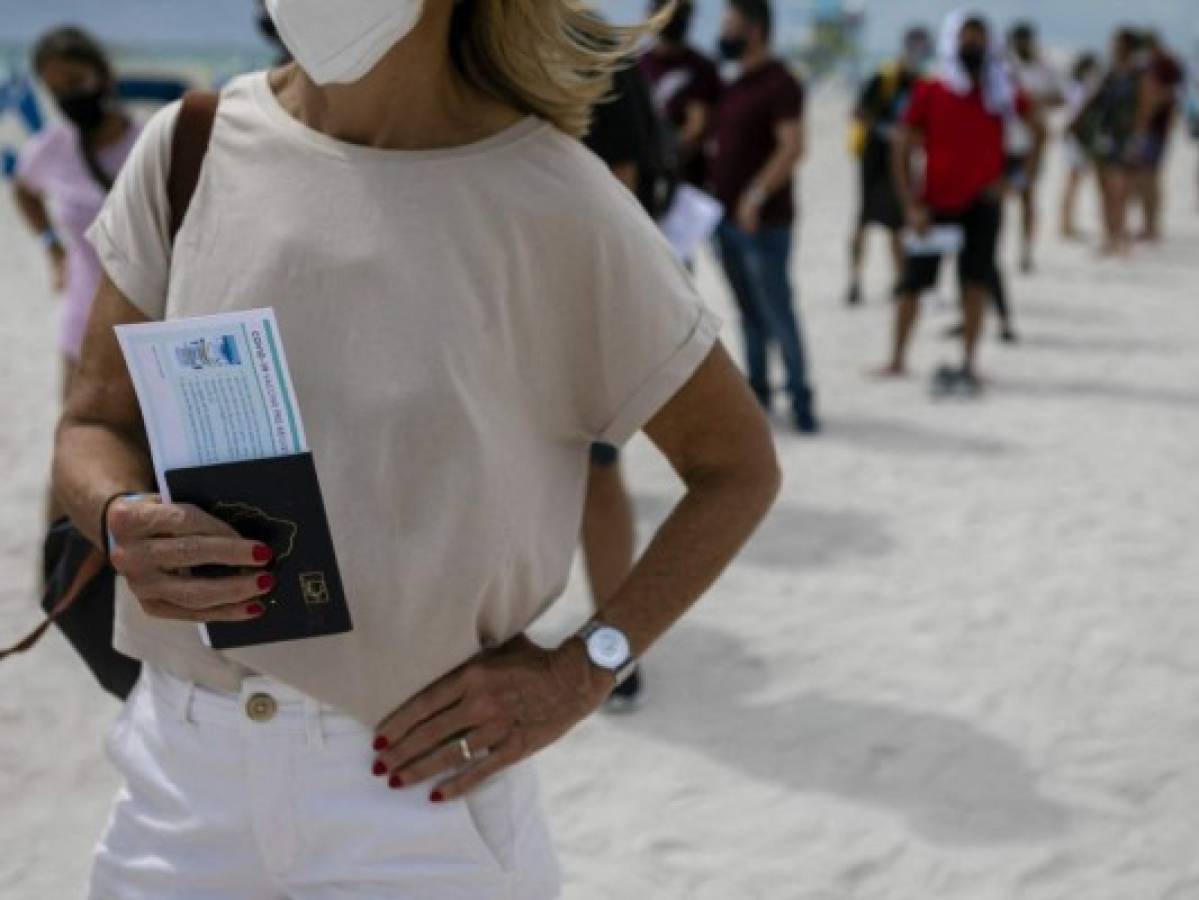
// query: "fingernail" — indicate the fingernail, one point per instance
point(379, 767)
point(395, 781)
point(255, 609)
point(380, 743)
point(266, 581)
point(262, 553)
point(436, 797)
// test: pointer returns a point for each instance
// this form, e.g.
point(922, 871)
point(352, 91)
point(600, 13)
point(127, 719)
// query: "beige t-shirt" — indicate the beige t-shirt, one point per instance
point(461, 325)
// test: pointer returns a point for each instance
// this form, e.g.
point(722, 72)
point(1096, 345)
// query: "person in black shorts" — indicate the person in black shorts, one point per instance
point(878, 110)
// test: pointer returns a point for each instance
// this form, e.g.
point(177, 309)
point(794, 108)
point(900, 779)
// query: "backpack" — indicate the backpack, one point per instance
point(79, 584)
point(658, 164)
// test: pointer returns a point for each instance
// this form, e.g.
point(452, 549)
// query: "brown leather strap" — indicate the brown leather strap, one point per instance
point(91, 566)
point(189, 146)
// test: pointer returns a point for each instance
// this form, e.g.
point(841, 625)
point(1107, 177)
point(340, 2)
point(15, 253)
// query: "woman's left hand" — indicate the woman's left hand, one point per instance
point(506, 704)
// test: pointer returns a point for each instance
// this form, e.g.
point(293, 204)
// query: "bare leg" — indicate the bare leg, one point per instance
point(974, 306)
point(857, 256)
point(907, 310)
point(1069, 199)
point(897, 254)
point(1028, 225)
point(1151, 193)
point(52, 508)
point(608, 531)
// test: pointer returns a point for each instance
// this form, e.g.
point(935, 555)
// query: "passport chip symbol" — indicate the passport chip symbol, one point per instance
point(313, 587)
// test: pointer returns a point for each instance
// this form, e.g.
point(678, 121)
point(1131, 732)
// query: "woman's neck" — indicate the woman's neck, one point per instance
point(111, 131)
point(414, 99)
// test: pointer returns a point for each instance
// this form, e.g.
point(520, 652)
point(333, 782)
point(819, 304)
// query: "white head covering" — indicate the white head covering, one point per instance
point(999, 96)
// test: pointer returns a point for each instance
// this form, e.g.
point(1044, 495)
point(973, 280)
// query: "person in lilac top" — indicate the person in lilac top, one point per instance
point(64, 173)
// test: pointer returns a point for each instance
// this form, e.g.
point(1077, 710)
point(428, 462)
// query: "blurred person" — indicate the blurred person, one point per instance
point(412, 198)
point(1157, 110)
point(65, 172)
point(625, 134)
point(958, 120)
point(1108, 122)
point(757, 143)
point(879, 108)
point(1042, 85)
point(685, 87)
point(1084, 79)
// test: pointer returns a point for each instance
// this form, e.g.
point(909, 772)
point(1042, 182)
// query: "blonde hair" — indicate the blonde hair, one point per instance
point(549, 58)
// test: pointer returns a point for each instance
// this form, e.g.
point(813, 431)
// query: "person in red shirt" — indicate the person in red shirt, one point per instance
point(685, 87)
point(958, 120)
point(755, 147)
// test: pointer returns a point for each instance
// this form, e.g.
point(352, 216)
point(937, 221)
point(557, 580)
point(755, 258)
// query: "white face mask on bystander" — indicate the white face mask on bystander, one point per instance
point(339, 42)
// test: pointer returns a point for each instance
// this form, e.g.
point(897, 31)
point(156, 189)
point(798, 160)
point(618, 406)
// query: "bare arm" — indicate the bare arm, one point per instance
point(100, 450)
point(517, 700)
point(907, 139)
point(695, 127)
point(788, 151)
point(32, 207)
point(626, 174)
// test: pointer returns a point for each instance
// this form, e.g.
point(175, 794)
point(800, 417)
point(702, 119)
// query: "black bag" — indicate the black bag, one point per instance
point(79, 585)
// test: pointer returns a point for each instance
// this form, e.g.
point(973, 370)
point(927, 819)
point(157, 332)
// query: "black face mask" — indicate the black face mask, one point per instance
point(972, 60)
point(732, 48)
point(84, 110)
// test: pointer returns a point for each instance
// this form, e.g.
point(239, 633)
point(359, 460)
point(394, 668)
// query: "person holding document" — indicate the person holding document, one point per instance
point(469, 300)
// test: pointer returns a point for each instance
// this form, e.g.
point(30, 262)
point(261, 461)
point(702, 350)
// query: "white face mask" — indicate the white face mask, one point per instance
point(339, 41)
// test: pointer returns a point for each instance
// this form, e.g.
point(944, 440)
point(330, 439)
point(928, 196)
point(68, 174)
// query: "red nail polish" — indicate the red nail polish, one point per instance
point(255, 609)
point(266, 581)
point(395, 781)
point(262, 553)
point(380, 743)
point(436, 797)
point(380, 767)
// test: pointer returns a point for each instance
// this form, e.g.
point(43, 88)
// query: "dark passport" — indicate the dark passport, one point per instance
point(275, 500)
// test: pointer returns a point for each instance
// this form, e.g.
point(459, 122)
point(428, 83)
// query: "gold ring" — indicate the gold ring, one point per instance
point(464, 747)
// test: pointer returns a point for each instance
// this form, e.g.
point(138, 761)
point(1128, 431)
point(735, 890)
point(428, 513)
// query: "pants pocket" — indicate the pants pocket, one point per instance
point(489, 816)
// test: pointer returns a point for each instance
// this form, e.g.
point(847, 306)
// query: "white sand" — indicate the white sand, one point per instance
point(961, 661)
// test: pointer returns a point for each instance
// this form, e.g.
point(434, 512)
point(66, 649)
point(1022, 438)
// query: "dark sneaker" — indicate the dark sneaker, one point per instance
point(968, 384)
point(854, 298)
point(1008, 335)
point(944, 381)
point(954, 331)
point(806, 422)
point(628, 695)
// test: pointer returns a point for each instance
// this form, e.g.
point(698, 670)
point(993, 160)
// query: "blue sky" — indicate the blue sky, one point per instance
point(201, 23)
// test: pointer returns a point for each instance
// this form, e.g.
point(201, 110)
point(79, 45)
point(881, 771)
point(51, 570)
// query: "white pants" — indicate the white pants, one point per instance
point(229, 798)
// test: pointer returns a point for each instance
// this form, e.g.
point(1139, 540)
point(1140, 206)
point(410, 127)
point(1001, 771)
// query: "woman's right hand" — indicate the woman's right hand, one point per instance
point(918, 218)
point(154, 545)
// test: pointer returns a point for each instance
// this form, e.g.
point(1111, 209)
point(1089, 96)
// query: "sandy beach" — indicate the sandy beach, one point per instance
point(959, 662)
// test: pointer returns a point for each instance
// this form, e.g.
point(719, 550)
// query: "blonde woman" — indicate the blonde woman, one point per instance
point(469, 301)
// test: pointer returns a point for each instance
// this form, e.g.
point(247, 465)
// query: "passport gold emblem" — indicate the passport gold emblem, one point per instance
point(313, 587)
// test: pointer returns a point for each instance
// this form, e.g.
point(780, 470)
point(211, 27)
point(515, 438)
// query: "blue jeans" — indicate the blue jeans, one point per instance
point(756, 267)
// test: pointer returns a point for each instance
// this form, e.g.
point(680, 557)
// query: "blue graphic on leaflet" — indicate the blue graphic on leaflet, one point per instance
point(208, 353)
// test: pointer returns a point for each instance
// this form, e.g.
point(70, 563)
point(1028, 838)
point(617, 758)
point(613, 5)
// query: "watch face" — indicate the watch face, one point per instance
point(608, 648)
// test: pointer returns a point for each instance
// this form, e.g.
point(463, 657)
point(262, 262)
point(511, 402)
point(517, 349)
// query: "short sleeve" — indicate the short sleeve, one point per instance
point(33, 161)
point(916, 114)
point(651, 331)
point(131, 235)
point(788, 101)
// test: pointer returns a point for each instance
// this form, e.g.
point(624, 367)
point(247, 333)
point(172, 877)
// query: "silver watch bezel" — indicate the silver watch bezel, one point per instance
point(622, 668)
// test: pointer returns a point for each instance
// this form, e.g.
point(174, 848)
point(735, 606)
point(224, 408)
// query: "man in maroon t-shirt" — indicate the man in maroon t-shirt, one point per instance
point(685, 87)
point(755, 146)
point(958, 121)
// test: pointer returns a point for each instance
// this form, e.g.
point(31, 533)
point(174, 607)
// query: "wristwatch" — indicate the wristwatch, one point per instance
point(608, 648)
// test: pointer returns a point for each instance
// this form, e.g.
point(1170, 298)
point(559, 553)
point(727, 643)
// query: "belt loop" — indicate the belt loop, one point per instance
point(185, 702)
point(312, 722)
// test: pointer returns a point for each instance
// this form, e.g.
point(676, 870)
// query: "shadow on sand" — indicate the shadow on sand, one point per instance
point(955, 784)
point(791, 537)
point(909, 438)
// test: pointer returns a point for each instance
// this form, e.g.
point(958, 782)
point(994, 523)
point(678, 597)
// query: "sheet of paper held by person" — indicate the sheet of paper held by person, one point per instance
point(213, 389)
